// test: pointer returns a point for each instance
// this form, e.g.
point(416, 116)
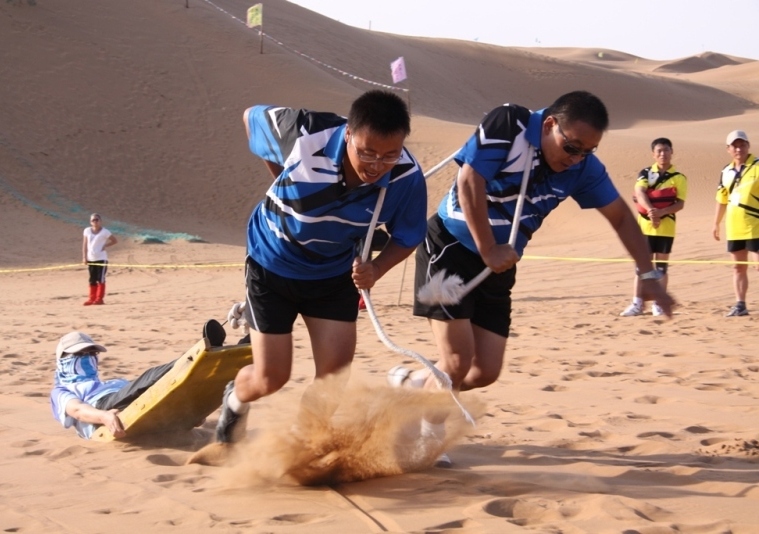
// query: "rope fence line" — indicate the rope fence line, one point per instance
point(310, 58)
point(240, 265)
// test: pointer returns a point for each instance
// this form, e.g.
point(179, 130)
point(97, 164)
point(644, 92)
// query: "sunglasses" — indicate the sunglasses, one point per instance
point(94, 220)
point(571, 149)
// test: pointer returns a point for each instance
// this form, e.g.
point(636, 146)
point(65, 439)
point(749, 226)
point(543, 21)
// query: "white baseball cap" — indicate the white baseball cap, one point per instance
point(736, 134)
point(76, 342)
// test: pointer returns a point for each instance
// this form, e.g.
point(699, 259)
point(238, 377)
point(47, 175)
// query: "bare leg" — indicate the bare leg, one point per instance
point(472, 356)
point(658, 256)
point(273, 356)
point(740, 275)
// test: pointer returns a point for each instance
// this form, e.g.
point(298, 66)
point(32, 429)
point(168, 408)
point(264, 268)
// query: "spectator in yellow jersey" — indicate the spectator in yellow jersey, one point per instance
point(660, 192)
point(738, 203)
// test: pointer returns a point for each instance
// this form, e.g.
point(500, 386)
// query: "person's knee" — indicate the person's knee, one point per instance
point(250, 384)
point(479, 378)
point(740, 269)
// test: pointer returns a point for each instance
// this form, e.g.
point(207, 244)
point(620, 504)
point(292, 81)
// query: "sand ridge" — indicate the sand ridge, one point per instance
point(598, 423)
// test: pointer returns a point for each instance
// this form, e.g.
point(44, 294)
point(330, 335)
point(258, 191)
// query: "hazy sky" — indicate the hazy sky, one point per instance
point(652, 29)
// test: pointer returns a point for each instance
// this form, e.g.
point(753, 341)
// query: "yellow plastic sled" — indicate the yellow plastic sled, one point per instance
point(186, 395)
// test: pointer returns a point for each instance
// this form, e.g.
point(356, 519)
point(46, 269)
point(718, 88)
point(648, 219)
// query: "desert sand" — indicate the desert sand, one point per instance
point(598, 423)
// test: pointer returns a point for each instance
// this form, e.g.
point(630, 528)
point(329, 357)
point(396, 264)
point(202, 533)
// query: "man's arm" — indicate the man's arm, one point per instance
point(719, 212)
point(642, 199)
point(365, 275)
point(111, 241)
point(86, 413)
point(84, 250)
point(474, 205)
point(624, 224)
point(274, 169)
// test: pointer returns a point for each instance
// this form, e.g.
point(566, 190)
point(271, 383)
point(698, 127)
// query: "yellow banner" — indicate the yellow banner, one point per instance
point(255, 16)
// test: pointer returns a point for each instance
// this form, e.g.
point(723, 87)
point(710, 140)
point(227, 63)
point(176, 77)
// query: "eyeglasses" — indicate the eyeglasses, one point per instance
point(571, 149)
point(94, 220)
point(368, 158)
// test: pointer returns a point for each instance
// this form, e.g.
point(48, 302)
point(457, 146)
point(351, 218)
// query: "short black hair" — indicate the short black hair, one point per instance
point(580, 106)
point(382, 112)
point(661, 141)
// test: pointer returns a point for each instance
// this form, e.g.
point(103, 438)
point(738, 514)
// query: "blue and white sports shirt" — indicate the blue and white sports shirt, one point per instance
point(498, 152)
point(308, 225)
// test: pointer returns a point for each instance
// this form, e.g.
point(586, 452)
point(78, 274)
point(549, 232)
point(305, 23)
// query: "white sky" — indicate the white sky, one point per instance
point(652, 29)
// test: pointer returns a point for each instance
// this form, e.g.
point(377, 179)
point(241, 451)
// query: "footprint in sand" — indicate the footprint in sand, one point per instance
point(459, 524)
point(299, 519)
point(165, 460)
point(698, 429)
point(667, 435)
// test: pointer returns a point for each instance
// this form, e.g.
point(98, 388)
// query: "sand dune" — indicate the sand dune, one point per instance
point(597, 424)
point(701, 62)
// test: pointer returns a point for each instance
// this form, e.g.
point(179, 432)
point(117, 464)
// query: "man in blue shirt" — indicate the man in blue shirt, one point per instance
point(304, 236)
point(472, 226)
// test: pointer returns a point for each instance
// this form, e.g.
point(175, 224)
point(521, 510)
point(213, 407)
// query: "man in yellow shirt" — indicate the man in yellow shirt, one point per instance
point(738, 201)
point(660, 192)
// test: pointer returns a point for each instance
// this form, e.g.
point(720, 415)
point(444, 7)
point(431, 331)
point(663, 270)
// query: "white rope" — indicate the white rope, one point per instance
point(440, 165)
point(442, 378)
point(450, 290)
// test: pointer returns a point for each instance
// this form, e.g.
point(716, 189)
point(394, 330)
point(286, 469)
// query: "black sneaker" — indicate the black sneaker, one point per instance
point(231, 425)
point(737, 311)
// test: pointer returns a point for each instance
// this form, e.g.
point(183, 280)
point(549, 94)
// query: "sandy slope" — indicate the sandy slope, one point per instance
point(597, 424)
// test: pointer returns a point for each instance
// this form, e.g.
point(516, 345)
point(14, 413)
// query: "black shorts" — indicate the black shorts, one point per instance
point(660, 244)
point(488, 305)
point(275, 301)
point(752, 245)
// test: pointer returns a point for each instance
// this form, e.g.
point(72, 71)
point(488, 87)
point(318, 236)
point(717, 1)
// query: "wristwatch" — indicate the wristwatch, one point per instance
point(651, 275)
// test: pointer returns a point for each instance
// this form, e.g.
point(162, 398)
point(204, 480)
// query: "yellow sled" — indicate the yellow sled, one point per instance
point(186, 395)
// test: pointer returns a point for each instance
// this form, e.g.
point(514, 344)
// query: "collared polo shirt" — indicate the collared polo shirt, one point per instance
point(498, 152)
point(309, 224)
point(740, 191)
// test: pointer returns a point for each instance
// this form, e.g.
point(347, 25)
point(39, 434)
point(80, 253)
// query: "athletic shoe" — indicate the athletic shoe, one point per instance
point(632, 310)
point(403, 377)
point(231, 425)
point(444, 461)
point(656, 310)
point(398, 376)
point(737, 311)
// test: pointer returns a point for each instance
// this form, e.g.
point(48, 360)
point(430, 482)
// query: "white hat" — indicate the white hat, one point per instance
point(75, 342)
point(736, 134)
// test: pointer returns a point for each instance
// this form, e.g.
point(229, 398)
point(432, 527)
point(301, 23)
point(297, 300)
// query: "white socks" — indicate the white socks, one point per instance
point(236, 405)
point(638, 301)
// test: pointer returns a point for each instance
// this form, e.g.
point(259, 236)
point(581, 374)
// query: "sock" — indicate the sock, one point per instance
point(236, 405)
point(638, 301)
point(433, 430)
point(741, 304)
